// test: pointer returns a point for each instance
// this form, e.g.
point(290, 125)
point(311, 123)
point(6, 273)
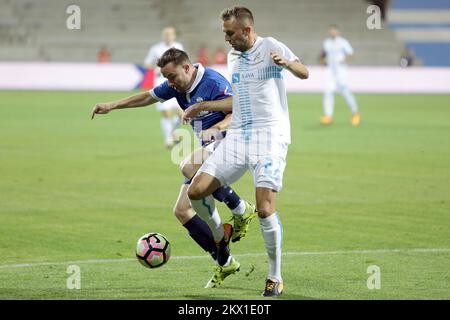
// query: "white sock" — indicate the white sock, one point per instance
point(166, 128)
point(207, 210)
point(272, 233)
point(350, 99)
point(328, 104)
point(240, 209)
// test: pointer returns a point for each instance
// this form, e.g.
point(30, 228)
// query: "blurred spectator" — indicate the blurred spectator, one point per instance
point(407, 58)
point(103, 55)
point(220, 56)
point(203, 56)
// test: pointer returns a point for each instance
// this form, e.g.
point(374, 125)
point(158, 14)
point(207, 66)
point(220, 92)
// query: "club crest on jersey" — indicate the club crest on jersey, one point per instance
point(225, 92)
point(202, 114)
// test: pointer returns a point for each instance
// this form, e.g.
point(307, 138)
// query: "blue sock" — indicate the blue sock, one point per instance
point(227, 195)
point(201, 233)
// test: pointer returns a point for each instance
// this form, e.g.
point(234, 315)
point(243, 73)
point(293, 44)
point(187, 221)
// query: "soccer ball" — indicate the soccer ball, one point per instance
point(153, 250)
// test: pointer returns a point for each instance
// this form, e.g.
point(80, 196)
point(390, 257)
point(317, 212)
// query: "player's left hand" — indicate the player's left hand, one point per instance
point(191, 112)
point(211, 134)
point(279, 59)
point(101, 108)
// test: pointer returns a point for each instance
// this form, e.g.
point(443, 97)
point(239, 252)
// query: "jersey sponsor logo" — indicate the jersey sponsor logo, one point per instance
point(236, 78)
point(242, 75)
point(248, 75)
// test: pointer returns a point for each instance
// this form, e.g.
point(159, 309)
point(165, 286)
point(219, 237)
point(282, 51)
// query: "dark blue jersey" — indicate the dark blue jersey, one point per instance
point(208, 85)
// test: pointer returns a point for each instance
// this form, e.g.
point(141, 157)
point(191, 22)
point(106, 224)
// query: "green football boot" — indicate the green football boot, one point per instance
point(241, 223)
point(221, 272)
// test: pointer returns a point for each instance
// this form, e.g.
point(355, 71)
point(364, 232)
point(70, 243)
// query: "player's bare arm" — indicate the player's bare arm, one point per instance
point(138, 100)
point(215, 131)
point(295, 67)
point(224, 105)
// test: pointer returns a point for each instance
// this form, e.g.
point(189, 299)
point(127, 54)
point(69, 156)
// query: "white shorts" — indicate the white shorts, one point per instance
point(167, 105)
point(210, 147)
point(266, 160)
point(337, 79)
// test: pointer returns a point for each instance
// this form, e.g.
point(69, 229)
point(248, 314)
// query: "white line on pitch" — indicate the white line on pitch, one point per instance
point(289, 253)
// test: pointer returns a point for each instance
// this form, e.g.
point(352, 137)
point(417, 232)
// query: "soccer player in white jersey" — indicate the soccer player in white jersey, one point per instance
point(169, 120)
point(337, 51)
point(259, 132)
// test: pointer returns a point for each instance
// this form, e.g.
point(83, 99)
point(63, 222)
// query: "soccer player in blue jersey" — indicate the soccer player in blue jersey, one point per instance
point(210, 94)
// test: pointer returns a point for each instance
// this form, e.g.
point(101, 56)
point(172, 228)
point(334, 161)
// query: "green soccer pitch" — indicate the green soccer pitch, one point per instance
point(80, 192)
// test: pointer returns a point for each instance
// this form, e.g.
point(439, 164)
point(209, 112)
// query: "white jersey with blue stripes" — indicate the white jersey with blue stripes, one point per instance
point(259, 91)
point(336, 49)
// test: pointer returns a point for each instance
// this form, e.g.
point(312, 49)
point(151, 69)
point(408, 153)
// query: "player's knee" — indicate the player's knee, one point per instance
point(265, 208)
point(344, 90)
point(180, 213)
point(187, 170)
point(166, 114)
point(195, 192)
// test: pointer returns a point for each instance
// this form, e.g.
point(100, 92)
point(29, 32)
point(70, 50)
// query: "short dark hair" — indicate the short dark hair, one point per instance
point(177, 56)
point(237, 12)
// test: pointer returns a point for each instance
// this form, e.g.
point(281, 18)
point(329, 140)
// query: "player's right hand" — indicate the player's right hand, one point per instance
point(191, 112)
point(211, 134)
point(279, 59)
point(101, 108)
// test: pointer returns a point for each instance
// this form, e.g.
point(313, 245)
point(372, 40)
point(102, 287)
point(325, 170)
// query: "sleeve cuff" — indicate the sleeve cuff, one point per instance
point(154, 96)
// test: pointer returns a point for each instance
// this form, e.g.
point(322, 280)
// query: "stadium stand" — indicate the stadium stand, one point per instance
point(32, 30)
point(424, 27)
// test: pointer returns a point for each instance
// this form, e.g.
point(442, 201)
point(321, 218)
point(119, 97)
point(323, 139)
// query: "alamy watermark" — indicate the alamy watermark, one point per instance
point(373, 21)
point(74, 280)
point(73, 21)
point(239, 146)
point(374, 280)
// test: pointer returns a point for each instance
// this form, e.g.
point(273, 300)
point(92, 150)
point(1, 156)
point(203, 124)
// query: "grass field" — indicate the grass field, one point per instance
point(76, 191)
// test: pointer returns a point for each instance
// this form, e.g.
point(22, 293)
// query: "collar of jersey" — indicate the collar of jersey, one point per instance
point(198, 78)
point(253, 48)
point(335, 39)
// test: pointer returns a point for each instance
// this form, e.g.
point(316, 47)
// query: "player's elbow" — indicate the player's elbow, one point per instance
point(146, 99)
point(304, 74)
